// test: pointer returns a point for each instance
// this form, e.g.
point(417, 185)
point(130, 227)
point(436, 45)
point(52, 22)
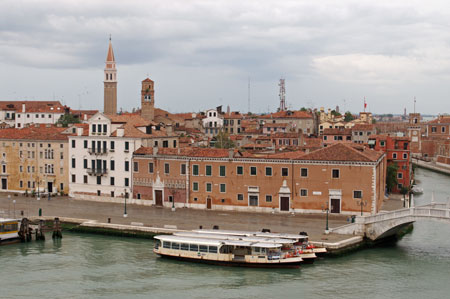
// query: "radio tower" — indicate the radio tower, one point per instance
point(282, 95)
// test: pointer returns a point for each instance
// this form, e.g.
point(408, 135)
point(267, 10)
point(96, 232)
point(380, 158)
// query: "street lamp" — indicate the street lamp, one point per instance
point(173, 203)
point(362, 203)
point(14, 202)
point(125, 215)
point(326, 208)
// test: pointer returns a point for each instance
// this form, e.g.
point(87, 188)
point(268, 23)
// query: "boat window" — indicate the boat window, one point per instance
point(203, 248)
point(193, 247)
point(257, 249)
point(184, 246)
point(166, 244)
point(176, 246)
point(213, 249)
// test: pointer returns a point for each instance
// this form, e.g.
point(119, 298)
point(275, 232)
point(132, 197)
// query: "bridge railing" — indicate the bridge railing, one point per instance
point(384, 216)
point(431, 212)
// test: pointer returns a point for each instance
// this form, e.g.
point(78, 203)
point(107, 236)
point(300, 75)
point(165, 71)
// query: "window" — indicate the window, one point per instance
point(208, 187)
point(112, 145)
point(85, 163)
point(184, 246)
point(252, 170)
point(104, 128)
point(99, 180)
point(212, 249)
point(240, 170)
point(433, 129)
point(303, 192)
point(268, 171)
point(240, 197)
point(195, 186)
point(284, 171)
point(222, 170)
point(170, 198)
point(400, 186)
point(335, 173)
point(195, 169)
point(135, 166)
point(304, 172)
point(357, 194)
point(150, 167)
point(399, 175)
point(442, 129)
point(127, 165)
point(73, 178)
point(268, 198)
point(405, 156)
point(112, 165)
point(73, 162)
point(21, 184)
point(61, 187)
point(111, 181)
point(165, 143)
point(208, 170)
point(85, 179)
point(394, 156)
point(192, 247)
point(73, 143)
point(223, 188)
point(382, 143)
point(166, 168)
point(127, 146)
point(127, 182)
point(203, 248)
point(183, 169)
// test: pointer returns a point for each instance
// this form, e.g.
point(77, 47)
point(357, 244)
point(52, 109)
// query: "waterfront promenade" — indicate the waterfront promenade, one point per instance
point(182, 218)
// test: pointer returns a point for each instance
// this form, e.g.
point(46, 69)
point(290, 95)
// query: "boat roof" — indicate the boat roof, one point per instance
point(8, 220)
point(237, 238)
point(250, 234)
point(215, 242)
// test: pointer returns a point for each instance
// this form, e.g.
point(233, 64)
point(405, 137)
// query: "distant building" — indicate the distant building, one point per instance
point(20, 114)
point(339, 135)
point(362, 132)
point(213, 122)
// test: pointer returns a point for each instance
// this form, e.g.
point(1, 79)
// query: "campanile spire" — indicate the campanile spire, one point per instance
point(110, 82)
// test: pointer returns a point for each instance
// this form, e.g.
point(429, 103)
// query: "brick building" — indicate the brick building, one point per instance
point(397, 151)
point(339, 176)
point(338, 135)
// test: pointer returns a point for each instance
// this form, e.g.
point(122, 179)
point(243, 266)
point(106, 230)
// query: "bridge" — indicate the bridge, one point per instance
point(388, 224)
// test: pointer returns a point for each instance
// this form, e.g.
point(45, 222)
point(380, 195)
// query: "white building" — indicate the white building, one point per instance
point(212, 123)
point(19, 114)
point(100, 157)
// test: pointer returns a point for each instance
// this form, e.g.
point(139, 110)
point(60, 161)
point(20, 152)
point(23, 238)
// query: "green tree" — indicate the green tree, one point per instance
point(348, 116)
point(67, 119)
point(391, 176)
point(223, 141)
point(303, 109)
point(335, 113)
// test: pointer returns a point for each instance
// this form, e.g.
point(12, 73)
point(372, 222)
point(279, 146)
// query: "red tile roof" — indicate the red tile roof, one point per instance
point(342, 152)
point(33, 106)
point(289, 114)
point(363, 127)
point(41, 132)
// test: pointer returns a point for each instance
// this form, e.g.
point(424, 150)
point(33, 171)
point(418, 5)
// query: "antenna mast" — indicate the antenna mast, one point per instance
point(248, 94)
point(282, 95)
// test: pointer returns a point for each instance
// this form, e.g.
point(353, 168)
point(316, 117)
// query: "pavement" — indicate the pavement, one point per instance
point(182, 218)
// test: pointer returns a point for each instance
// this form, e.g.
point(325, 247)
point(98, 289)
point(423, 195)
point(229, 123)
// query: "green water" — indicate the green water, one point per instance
point(90, 266)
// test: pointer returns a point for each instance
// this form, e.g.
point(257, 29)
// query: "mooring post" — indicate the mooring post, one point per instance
point(56, 229)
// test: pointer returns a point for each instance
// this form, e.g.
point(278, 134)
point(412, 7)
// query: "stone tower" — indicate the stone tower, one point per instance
point(148, 99)
point(110, 83)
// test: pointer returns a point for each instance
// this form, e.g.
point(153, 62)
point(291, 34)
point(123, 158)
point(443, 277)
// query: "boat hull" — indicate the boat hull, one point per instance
point(9, 241)
point(289, 265)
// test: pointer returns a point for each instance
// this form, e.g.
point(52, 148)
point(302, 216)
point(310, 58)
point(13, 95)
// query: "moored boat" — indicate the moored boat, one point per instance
point(225, 252)
point(9, 231)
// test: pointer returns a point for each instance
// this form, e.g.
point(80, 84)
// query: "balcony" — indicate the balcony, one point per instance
point(97, 151)
point(97, 171)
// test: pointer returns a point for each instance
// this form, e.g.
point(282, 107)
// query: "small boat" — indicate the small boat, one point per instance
point(226, 252)
point(416, 190)
point(9, 231)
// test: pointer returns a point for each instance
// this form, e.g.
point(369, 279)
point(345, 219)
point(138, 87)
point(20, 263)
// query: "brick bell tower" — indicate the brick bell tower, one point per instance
point(148, 99)
point(110, 83)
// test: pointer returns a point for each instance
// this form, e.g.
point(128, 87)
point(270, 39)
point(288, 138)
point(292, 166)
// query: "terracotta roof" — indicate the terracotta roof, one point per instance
point(312, 142)
point(41, 132)
point(442, 119)
point(287, 155)
point(337, 131)
point(147, 80)
point(233, 115)
point(286, 135)
point(289, 114)
point(188, 152)
point(343, 153)
point(110, 55)
point(33, 106)
point(131, 122)
point(363, 127)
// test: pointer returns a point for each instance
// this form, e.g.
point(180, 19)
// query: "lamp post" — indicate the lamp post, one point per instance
point(326, 208)
point(9, 205)
point(362, 203)
point(125, 195)
point(14, 202)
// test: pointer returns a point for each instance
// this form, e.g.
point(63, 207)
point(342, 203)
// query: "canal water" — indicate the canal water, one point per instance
point(91, 266)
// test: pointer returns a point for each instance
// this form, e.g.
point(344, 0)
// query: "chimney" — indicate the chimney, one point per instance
point(79, 131)
point(120, 132)
point(23, 108)
point(85, 117)
point(155, 151)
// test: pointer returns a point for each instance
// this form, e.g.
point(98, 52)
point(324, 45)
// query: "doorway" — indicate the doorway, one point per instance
point(284, 203)
point(50, 187)
point(253, 200)
point(158, 198)
point(4, 184)
point(335, 205)
point(208, 203)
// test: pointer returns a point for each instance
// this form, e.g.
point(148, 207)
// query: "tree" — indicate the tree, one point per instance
point(391, 176)
point(335, 113)
point(223, 141)
point(67, 119)
point(303, 109)
point(348, 116)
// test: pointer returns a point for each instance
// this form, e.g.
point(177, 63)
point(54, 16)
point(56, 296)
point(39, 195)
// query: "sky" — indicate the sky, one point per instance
point(203, 53)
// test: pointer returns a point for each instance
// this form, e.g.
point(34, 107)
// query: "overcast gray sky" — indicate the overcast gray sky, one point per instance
point(201, 53)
